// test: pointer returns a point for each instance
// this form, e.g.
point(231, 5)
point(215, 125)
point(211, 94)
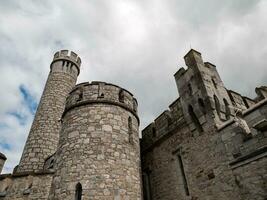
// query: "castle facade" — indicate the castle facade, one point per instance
point(84, 141)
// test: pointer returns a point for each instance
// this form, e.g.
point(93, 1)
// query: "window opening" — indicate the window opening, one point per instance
point(195, 119)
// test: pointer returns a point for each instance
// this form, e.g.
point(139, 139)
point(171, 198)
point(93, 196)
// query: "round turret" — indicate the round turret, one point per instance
point(101, 92)
point(99, 155)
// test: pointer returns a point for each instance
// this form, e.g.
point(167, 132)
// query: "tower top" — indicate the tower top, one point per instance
point(69, 56)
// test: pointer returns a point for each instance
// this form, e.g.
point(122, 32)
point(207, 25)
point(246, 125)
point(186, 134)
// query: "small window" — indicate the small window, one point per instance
point(182, 175)
point(78, 191)
point(202, 105)
point(154, 132)
point(190, 89)
point(227, 109)
point(195, 119)
point(121, 96)
point(51, 164)
point(214, 83)
point(80, 94)
point(217, 105)
point(147, 185)
point(130, 130)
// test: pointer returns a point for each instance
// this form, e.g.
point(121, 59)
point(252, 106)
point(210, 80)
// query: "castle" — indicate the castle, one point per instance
point(84, 141)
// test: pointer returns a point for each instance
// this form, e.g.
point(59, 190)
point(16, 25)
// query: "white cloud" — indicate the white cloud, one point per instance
point(135, 44)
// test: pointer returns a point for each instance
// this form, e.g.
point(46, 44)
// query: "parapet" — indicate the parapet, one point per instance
point(67, 55)
point(168, 121)
point(101, 92)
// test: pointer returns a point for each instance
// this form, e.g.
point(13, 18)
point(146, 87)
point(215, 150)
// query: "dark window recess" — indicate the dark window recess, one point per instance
point(214, 83)
point(80, 95)
point(130, 130)
point(195, 119)
point(51, 164)
point(154, 132)
point(190, 89)
point(147, 185)
point(202, 105)
point(217, 105)
point(181, 169)
point(121, 96)
point(78, 191)
point(227, 109)
point(63, 63)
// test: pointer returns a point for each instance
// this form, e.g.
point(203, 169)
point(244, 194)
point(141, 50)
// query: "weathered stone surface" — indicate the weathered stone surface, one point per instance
point(210, 144)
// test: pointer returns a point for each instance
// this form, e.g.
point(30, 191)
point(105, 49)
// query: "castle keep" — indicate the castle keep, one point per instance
point(84, 142)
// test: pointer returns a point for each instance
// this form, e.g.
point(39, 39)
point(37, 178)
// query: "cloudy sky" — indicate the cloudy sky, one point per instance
point(137, 44)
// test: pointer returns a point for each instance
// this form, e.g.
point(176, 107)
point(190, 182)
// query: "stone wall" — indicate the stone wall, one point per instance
point(99, 145)
point(216, 150)
point(25, 186)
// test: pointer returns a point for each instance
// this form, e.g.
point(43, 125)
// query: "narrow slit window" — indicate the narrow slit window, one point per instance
point(195, 119)
point(147, 185)
point(80, 94)
point(121, 96)
point(217, 105)
point(78, 191)
point(182, 173)
point(214, 83)
point(154, 132)
point(190, 89)
point(130, 130)
point(202, 105)
point(227, 109)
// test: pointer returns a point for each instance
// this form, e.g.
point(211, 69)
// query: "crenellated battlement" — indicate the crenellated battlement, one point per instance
point(101, 92)
point(68, 58)
point(164, 124)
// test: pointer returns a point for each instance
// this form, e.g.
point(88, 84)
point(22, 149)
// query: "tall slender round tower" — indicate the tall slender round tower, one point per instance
point(44, 134)
point(98, 153)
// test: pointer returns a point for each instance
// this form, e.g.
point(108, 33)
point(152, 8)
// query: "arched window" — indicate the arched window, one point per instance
point(78, 191)
point(217, 105)
point(202, 105)
point(195, 119)
point(227, 109)
point(121, 96)
point(130, 130)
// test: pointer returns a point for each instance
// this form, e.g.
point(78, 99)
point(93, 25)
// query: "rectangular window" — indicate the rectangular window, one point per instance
point(147, 185)
point(182, 174)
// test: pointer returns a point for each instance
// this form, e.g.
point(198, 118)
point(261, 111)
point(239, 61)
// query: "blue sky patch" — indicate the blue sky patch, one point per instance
point(28, 99)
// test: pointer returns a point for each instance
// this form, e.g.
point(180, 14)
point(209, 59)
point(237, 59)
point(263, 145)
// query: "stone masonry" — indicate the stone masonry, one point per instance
point(84, 142)
point(210, 144)
point(43, 137)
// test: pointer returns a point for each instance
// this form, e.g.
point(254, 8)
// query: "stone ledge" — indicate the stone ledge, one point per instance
point(21, 174)
point(255, 155)
point(99, 101)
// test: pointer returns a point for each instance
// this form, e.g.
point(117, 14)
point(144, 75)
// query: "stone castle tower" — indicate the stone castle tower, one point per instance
point(43, 137)
point(99, 144)
point(84, 144)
